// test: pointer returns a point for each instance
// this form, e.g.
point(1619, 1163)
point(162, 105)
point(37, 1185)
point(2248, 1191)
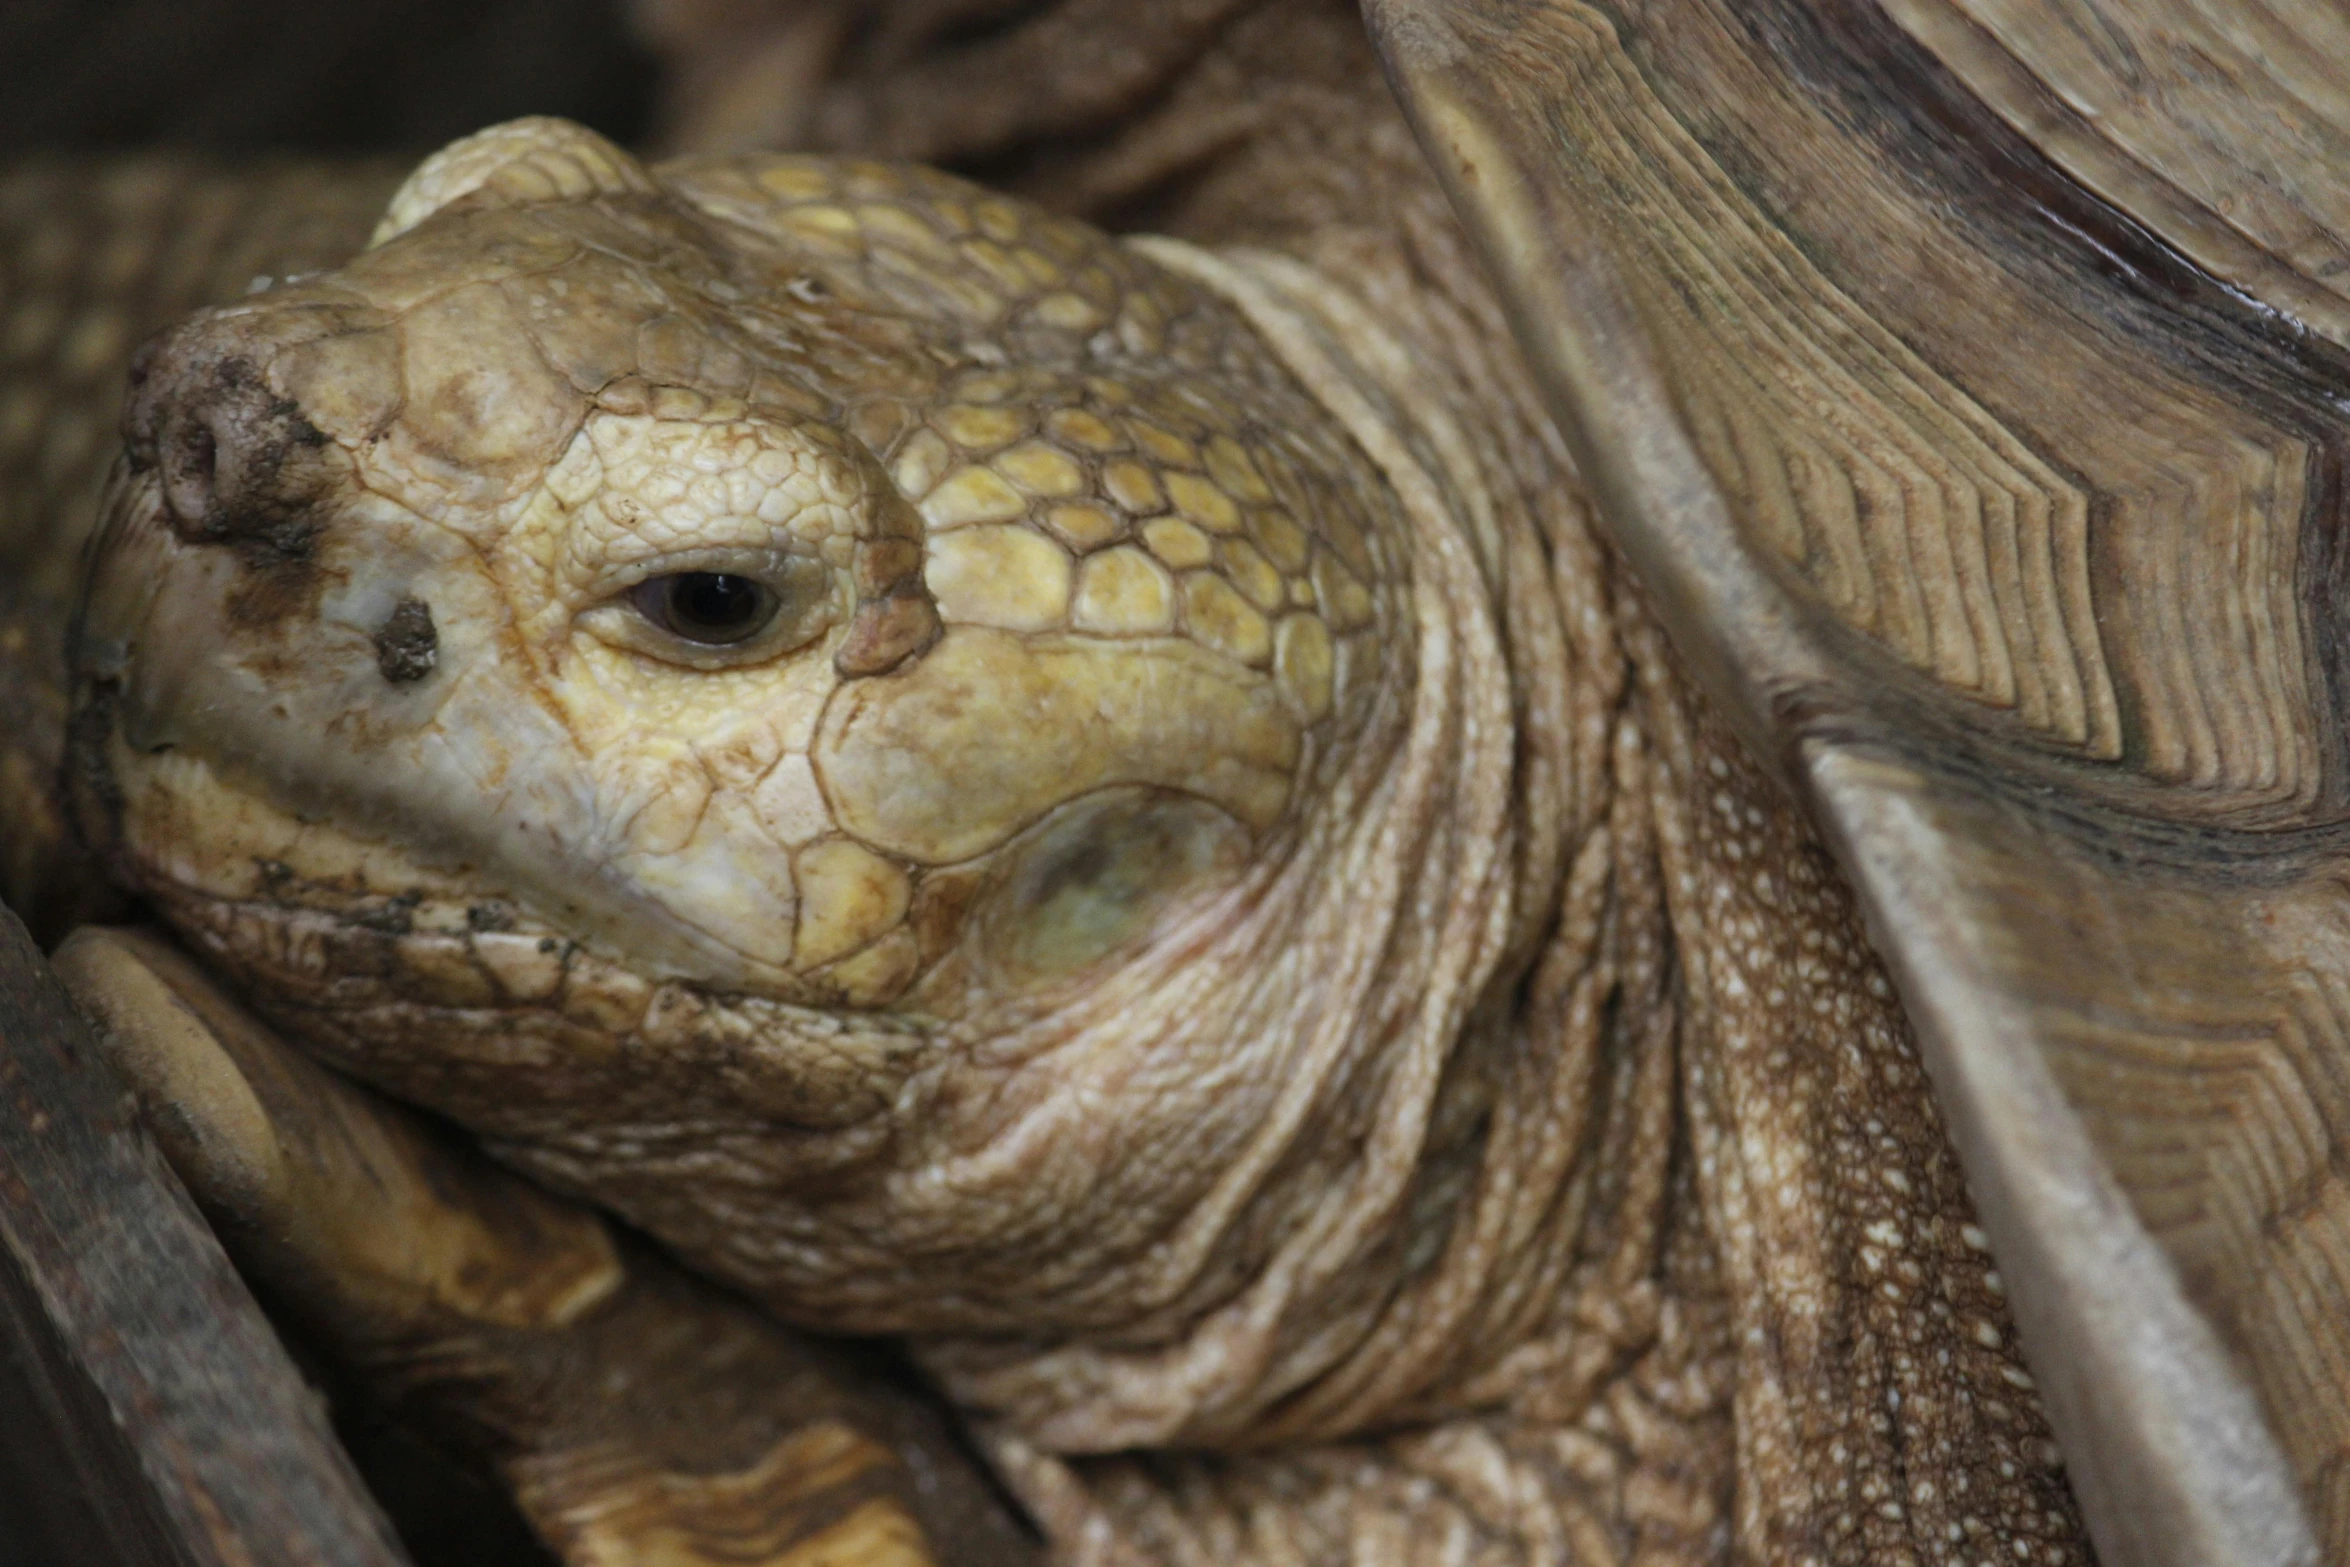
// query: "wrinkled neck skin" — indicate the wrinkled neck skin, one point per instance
point(1357, 1254)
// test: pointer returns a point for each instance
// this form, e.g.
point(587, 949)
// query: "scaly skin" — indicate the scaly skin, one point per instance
point(1206, 907)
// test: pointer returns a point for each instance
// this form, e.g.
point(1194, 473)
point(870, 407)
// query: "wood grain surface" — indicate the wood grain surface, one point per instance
point(158, 1391)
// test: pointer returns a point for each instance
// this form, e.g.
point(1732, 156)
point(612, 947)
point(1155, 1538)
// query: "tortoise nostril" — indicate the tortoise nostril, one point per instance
point(240, 463)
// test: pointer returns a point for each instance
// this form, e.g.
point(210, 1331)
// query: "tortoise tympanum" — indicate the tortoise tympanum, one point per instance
point(1107, 807)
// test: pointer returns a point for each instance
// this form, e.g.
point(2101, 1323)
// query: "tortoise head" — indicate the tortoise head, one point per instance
point(787, 647)
point(782, 666)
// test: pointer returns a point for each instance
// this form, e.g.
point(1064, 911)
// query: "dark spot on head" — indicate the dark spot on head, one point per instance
point(283, 584)
point(392, 917)
point(489, 916)
point(408, 646)
point(885, 632)
point(286, 543)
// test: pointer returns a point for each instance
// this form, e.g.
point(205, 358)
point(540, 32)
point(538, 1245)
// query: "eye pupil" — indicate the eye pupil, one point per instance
point(713, 601)
point(715, 607)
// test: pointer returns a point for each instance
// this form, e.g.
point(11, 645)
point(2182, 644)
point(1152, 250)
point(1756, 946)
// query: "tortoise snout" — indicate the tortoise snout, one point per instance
point(239, 463)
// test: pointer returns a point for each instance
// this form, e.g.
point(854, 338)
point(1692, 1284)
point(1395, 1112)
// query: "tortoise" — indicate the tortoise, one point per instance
point(1323, 850)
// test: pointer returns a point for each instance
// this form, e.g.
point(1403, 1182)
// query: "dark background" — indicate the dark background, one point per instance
point(313, 75)
point(322, 76)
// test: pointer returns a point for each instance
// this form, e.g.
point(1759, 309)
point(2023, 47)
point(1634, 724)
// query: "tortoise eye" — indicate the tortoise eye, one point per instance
point(712, 608)
point(741, 608)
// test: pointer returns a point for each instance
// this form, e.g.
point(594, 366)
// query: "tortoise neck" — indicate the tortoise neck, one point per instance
point(1393, 1265)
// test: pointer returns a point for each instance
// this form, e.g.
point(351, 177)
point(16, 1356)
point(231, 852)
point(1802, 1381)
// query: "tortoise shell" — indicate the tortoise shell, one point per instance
point(1967, 381)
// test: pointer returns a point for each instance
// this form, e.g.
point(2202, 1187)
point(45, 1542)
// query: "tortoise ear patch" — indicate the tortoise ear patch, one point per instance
point(521, 163)
point(1098, 875)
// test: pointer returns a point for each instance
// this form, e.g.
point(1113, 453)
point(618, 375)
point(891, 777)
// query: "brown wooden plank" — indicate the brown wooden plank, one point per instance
point(167, 1399)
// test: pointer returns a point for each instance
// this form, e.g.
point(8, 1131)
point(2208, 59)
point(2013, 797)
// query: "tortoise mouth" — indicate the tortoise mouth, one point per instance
point(294, 905)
